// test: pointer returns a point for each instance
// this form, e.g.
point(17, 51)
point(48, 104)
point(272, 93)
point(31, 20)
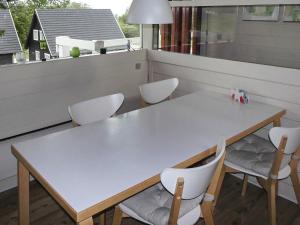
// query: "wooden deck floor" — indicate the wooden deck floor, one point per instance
point(232, 209)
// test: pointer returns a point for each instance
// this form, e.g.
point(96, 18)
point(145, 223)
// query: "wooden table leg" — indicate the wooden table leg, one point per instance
point(23, 183)
point(88, 221)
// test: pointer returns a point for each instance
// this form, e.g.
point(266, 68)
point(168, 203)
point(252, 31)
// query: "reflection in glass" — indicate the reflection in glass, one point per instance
point(264, 13)
point(292, 13)
point(223, 32)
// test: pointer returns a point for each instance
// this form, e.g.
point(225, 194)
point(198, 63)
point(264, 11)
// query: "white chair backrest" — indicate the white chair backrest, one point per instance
point(293, 138)
point(196, 180)
point(158, 91)
point(95, 109)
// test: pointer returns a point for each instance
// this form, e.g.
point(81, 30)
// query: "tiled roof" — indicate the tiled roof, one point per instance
point(9, 42)
point(85, 24)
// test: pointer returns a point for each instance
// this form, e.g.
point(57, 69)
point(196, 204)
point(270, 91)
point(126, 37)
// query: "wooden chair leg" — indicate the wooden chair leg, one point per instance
point(262, 183)
point(245, 184)
point(89, 221)
point(175, 208)
point(102, 218)
point(219, 185)
point(295, 180)
point(117, 220)
point(206, 208)
point(272, 188)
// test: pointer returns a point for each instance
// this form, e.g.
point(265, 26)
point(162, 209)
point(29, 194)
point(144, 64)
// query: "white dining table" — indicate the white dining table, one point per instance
point(90, 168)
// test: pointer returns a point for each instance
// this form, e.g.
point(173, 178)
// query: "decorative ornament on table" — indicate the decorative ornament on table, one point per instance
point(239, 95)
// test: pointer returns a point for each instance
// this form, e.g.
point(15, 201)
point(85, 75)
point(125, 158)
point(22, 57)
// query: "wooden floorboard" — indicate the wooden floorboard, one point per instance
point(232, 209)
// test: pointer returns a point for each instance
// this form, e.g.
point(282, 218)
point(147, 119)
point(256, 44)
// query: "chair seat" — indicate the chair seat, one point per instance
point(153, 206)
point(256, 155)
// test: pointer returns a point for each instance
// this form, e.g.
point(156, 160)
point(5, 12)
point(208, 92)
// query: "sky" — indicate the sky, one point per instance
point(117, 6)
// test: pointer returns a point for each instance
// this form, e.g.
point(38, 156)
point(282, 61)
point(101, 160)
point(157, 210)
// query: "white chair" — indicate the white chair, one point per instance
point(182, 197)
point(158, 91)
point(268, 162)
point(94, 110)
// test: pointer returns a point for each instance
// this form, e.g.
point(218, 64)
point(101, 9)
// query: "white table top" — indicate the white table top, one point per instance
point(88, 164)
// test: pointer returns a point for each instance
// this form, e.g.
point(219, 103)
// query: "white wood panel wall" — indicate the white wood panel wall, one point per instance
point(34, 96)
point(273, 85)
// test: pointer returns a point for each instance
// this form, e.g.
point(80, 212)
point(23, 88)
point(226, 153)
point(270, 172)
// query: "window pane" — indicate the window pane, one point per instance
point(46, 29)
point(218, 31)
point(258, 34)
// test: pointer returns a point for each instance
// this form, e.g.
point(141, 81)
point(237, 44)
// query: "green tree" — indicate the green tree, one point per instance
point(22, 15)
point(47, 4)
point(22, 12)
point(2, 6)
point(78, 5)
point(129, 30)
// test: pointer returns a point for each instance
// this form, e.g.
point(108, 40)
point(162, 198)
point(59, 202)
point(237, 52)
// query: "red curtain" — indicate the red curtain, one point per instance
point(177, 37)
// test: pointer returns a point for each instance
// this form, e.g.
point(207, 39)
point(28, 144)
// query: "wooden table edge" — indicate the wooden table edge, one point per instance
point(275, 119)
point(45, 184)
point(155, 179)
point(99, 207)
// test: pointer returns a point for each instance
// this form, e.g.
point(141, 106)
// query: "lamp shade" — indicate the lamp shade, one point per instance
point(150, 12)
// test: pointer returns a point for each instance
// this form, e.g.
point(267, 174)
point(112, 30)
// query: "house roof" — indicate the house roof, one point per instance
point(84, 24)
point(9, 42)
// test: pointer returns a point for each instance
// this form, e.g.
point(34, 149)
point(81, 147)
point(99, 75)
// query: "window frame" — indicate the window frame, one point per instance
point(147, 31)
point(35, 35)
point(230, 3)
point(41, 34)
point(248, 17)
point(208, 3)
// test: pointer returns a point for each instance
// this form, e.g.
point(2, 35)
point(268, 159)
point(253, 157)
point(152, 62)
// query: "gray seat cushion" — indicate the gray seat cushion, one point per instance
point(255, 154)
point(154, 204)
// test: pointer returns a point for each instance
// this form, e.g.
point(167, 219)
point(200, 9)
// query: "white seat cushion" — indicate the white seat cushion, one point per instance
point(190, 218)
point(154, 204)
point(254, 154)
